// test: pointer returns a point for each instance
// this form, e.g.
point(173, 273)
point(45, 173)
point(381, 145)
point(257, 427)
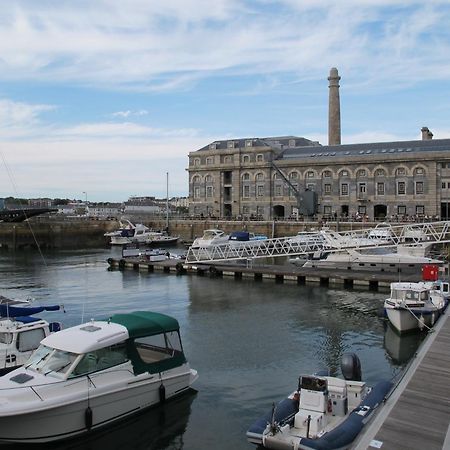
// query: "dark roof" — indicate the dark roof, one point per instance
point(376, 148)
point(270, 142)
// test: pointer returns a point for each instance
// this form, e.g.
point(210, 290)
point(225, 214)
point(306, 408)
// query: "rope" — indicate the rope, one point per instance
point(430, 329)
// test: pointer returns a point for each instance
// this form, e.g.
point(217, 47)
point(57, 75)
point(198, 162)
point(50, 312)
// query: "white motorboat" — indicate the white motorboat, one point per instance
point(414, 306)
point(246, 238)
point(210, 238)
point(323, 413)
point(21, 332)
point(133, 233)
point(91, 375)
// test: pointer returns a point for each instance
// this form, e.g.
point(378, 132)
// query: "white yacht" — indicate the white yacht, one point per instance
point(91, 375)
point(211, 237)
point(415, 306)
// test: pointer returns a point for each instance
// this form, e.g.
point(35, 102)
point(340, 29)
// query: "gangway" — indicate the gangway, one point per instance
point(409, 235)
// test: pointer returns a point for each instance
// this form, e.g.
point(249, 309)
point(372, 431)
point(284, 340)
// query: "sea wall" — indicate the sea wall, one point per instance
point(84, 232)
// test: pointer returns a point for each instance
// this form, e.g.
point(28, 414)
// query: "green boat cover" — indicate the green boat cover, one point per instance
point(145, 323)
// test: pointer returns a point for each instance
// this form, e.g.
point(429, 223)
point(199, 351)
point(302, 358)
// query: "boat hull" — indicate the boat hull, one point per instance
point(404, 319)
point(88, 405)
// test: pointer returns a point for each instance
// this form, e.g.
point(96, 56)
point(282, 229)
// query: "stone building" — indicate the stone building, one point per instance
point(289, 177)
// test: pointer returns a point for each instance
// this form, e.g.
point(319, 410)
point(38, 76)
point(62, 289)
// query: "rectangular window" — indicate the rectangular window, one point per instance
point(401, 188)
point(197, 192)
point(278, 191)
point(419, 187)
point(362, 188)
point(380, 188)
point(327, 189)
point(311, 187)
point(246, 191)
point(260, 190)
point(361, 209)
point(260, 211)
point(344, 189)
point(420, 210)
point(443, 185)
point(209, 191)
point(327, 210)
point(245, 210)
point(401, 210)
point(209, 161)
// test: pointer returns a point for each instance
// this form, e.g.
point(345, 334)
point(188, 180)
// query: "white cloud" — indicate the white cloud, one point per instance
point(171, 44)
point(128, 113)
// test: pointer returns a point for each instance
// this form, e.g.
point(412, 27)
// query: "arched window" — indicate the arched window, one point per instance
point(326, 174)
point(293, 176)
point(310, 174)
point(361, 173)
point(196, 161)
point(419, 171)
point(196, 179)
point(343, 173)
point(400, 172)
point(380, 173)
point(208, 179)
point(246, 177)
point(246, 159)
point(259, 176)
point(259, 157)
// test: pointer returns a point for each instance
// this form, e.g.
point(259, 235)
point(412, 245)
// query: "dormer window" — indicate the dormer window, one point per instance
point(246, 159)
point(230, 144)
point(259, 157)
point(291, 142)
point(213, 146)
point(248, 143)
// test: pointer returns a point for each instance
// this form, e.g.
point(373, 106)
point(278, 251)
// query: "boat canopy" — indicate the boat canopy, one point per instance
point(15, 311)
point(145, 323)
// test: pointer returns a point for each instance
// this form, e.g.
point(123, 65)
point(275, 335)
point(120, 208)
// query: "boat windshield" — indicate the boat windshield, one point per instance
point(50, 361)
point(211, 234)
point(6, 338)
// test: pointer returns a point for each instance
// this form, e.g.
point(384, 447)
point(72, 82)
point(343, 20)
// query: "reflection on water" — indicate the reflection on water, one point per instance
point(248, 340)
point(401, 348)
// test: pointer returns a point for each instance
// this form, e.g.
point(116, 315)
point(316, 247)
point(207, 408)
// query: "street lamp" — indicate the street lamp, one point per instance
point(86, 203)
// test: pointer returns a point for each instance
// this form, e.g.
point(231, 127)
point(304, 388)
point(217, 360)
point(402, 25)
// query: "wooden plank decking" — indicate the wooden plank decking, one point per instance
point(417, 415)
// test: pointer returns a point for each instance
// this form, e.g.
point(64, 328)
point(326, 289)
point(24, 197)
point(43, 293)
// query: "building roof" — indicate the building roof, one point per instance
point(376, 148)
point(269, 142)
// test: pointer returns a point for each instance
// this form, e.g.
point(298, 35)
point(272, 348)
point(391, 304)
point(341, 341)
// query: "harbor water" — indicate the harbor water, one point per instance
point(249, 340)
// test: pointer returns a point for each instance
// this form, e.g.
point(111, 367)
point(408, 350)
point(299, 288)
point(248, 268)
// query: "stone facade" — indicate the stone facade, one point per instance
point(238, 179)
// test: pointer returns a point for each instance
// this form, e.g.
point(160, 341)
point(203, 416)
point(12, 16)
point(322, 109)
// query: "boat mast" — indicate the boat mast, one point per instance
point(167, 201)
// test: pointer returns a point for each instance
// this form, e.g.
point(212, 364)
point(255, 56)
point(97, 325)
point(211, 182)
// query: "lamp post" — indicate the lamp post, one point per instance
point(86, 203)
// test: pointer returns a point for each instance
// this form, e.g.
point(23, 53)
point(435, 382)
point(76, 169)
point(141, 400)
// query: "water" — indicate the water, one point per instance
point(248, 340)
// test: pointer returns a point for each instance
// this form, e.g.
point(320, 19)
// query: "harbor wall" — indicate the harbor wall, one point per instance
point(52, 232)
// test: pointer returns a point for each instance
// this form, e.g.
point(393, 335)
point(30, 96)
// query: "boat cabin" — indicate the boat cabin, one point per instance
point(149, 342)
point(412, 293)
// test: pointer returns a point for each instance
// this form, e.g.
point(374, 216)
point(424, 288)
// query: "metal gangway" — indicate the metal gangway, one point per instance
point(307, 243)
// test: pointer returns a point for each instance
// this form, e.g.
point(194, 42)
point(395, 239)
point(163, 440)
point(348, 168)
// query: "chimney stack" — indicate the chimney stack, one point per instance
point(334, 109)
point(427, 135)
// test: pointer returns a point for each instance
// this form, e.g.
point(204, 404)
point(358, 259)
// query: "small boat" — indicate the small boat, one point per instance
point(132, 233)
point(210, 238)
point(92, 375)
point(415, 306)
point(21, 332)
point(149, 254)
point(322, 413)
point(121, 235)
point(161, 238)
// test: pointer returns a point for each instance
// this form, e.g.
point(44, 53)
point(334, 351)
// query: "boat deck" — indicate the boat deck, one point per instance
point(417, 415)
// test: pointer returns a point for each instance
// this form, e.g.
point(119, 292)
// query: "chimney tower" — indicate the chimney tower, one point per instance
point(334, 109)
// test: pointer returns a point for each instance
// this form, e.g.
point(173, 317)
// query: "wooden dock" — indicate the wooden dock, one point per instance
point(278, 273)
point(417, 415)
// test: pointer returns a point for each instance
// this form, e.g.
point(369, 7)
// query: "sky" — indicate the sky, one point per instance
point(100, 99)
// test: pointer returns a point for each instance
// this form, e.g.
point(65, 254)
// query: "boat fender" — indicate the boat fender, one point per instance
point(213, 271)
point(110, 261)
point(88, 417)
point(122, 264)
point(162, 393)
point(329, 405)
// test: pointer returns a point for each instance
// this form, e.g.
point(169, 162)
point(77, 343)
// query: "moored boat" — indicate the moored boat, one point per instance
point(21, 331)
point(415, 306)
point(91, 375)
point(211, 237)
point(323, 413)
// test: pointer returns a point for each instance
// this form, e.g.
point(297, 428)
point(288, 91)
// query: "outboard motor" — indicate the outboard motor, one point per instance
point(351, 367)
